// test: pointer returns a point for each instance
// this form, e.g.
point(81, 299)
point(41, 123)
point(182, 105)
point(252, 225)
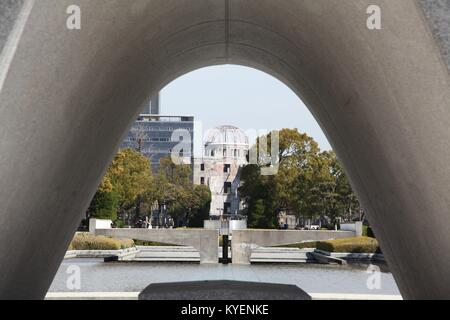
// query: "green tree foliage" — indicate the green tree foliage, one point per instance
point(187, 204)
point(258, 218)
point(309, 183)
point(201, 209)
point(129, 187)
point(104, 206)
point(127, 181)
point(130, 174)
point(105, 202)
point(257, 193)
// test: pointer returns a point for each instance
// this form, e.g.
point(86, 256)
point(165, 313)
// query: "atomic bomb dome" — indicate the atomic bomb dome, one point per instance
point(226, 135)
point(226, 150)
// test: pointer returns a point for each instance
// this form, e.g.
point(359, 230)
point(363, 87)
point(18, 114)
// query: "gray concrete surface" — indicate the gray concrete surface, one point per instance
point(167, 254)
point(246, 241)
point(171, 254)
point(437, 13)
point(132, 296)
point(281, 255)
point(67, 99)
point(205, 241)
point(122, 255)
point(9, 11)
point(327, 259)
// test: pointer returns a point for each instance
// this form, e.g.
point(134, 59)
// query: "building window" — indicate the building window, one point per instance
point(202, 180)
point(227, 208)
point(227, 168)
point(227, 187)
point(202, 167)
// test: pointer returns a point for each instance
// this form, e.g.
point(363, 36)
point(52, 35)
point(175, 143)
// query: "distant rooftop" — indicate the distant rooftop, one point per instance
point(227, 135)
point(160, 118)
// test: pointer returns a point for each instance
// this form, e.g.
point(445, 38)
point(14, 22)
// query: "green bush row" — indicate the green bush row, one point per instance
point(153, 244)
point(303, 245)
point(87, 241)
point(350, 245)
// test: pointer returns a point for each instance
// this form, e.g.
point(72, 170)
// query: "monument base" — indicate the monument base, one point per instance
point(222, 290)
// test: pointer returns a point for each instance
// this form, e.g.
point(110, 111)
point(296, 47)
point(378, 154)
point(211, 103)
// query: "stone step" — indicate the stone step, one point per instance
point(280, 255)
point(326, 259)
point(167, 259)
point(166, 249)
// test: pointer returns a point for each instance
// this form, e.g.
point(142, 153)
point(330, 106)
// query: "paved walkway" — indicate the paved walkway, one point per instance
point(134, 296)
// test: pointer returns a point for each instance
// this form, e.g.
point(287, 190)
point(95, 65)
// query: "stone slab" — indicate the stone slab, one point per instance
point(222, 290)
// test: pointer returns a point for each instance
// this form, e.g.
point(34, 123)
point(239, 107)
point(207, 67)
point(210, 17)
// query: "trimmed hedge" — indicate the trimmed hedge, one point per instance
point(87, 241)
point(126, 243)
point(153, 244)
point(303, 245)
point(350, 245)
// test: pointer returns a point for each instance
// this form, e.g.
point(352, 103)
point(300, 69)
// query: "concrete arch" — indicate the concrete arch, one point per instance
point(67, 98)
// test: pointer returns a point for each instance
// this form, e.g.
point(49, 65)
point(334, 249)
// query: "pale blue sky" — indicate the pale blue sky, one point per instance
point(239, 96)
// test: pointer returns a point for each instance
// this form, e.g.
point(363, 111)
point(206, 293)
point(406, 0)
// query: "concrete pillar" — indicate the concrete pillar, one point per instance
point(67, 98)
point(359, 228)
point(205, 241)
point(95, 224)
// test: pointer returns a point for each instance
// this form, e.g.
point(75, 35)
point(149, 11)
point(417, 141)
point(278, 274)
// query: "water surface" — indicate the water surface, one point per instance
point(97, 276)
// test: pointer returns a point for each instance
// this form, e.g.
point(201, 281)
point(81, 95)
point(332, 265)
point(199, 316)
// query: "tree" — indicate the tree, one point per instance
point(177, 193)
point(298, 167)
point(257, 218)
point(127, 185)
point(105, 202)
point(173, 173)
point(200, 211)
point(130, 174)
point(138, 136)
point(257, 193)
point(309, 183)
point(347, 202)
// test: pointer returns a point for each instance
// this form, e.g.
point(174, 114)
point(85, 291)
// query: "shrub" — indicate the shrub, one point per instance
point(368, 232)
point(126, 243)
point(302, 245)
point(350, 245)
point(87, 241)
point(104, 205)
point(120, 224)
point(153, 244)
